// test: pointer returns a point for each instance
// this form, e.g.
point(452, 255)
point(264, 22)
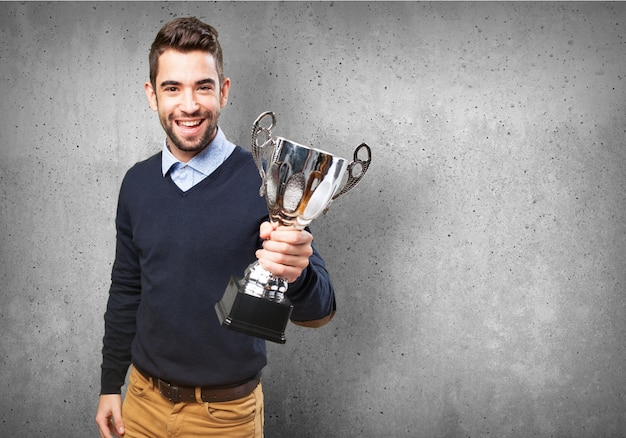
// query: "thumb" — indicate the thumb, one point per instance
point(118, 423)
point(266, 230)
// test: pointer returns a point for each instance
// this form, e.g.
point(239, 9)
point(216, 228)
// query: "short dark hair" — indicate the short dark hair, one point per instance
point(185, 35)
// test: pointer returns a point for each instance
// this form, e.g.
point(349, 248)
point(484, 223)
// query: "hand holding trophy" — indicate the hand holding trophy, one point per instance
point(298, 183)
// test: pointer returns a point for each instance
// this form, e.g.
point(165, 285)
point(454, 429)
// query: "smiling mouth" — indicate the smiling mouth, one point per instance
point(189, 123)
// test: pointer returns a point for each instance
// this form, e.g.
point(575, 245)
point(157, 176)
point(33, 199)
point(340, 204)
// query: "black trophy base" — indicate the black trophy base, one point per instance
point(253, 315)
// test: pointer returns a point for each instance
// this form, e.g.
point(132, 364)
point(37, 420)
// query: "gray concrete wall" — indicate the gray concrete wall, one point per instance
point(479, 267)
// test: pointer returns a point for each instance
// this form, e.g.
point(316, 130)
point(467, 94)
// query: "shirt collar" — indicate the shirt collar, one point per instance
point(206, 161)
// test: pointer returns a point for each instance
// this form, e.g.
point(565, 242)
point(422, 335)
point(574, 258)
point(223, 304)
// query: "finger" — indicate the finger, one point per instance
point(104, 430)
point(118, 423)
point(288, 255)
point(104, 426)
point(265, 231)
point(292, 236)
point(279, 251)
point(289, 273)
point(283, 259)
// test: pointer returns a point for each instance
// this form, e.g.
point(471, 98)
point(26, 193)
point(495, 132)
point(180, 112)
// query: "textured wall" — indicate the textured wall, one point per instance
point(480, 266)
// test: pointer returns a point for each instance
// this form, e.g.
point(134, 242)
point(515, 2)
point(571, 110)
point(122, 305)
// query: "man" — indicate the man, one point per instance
point(188, 219)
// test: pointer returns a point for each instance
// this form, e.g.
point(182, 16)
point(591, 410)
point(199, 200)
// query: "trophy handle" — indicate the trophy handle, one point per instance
point(357, 165)
point(259, 150)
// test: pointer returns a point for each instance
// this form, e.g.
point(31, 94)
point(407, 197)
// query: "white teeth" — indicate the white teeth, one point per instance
point(190, 123)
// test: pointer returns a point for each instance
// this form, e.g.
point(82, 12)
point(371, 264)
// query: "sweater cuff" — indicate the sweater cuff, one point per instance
point(110, 382)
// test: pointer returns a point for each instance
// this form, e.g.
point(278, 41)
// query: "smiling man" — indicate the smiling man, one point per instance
point(189, 218)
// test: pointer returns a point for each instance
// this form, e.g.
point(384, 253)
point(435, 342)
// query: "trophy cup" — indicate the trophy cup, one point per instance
point(298, 183)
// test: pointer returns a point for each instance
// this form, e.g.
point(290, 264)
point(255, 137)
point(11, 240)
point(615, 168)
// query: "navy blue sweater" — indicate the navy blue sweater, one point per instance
point(175, 254)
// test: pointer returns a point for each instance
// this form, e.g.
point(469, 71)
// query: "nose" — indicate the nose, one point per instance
point(188, 103)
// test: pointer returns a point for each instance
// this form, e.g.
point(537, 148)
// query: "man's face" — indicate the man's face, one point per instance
point(188, 98)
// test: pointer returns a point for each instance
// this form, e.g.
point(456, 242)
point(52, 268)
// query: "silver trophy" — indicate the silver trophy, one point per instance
point(299, 183)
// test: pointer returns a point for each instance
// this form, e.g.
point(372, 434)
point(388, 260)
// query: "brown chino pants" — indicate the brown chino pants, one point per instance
point(147, 414)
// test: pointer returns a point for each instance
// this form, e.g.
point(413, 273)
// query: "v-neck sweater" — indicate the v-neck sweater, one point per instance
point(175, 253)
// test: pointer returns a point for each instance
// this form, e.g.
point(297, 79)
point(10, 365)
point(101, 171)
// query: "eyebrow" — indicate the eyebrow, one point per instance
point(200, 82)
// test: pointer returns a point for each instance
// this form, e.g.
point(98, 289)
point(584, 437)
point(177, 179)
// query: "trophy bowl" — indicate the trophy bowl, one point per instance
point(299, 183)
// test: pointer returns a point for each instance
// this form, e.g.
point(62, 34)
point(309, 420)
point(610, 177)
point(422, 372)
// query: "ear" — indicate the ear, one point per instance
point(224, 92)
point(151, 95)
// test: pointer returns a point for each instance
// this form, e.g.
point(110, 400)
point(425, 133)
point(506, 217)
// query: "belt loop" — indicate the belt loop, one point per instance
point(174, 393)
point(198, 393)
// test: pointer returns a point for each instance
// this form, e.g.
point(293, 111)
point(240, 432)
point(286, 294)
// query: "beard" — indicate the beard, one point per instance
point(196, 143)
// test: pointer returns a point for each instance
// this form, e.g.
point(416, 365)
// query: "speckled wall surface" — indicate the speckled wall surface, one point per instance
point(480, 266)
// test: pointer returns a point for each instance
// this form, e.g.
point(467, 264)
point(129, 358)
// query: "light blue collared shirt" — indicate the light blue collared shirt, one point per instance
point(186, 175)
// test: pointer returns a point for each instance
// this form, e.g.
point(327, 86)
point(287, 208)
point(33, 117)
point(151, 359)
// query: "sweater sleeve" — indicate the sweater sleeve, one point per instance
point(121, 312)
point(312, 295)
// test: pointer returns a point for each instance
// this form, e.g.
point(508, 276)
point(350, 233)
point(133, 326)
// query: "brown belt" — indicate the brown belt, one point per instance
point(215, 394)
